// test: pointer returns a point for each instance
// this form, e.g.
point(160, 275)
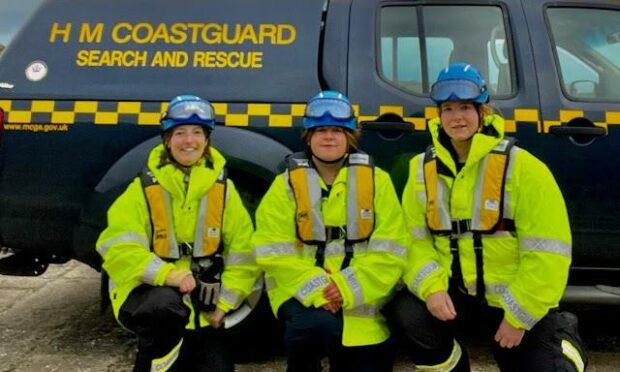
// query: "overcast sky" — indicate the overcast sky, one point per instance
point(12, 14)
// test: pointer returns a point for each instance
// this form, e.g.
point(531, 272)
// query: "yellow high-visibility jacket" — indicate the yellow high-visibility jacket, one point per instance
point(125, 244)
point(525, 271)
point(289, 264)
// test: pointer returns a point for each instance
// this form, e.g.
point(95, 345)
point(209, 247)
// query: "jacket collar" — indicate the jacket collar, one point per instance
point(200, 180)
point(491, 133)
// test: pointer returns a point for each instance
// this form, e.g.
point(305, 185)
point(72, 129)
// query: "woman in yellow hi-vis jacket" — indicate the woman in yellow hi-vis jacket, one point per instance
point(177, 248)
point(331, 239)
point(491, 242)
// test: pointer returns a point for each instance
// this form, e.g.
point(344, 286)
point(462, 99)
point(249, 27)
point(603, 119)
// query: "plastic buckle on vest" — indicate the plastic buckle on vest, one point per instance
point(186, 249)
point(335, 233)
point(460, 227)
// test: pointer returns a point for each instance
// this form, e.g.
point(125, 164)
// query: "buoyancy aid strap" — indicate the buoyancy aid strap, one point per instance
point(437, 216)
point(208, 236)
point(488, 204)
point(319, 256)
point(457, 273)
point(463, 226)
point(360, 197)
point(304, 182)
point(480, 289)
point(163, 241)
point(348, 254)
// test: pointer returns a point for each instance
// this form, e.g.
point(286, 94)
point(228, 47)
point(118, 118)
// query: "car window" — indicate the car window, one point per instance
point(13, 14)
point(587, 45)
point(412, 52)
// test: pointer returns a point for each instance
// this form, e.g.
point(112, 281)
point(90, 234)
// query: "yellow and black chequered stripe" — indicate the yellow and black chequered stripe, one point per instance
point(246, 114)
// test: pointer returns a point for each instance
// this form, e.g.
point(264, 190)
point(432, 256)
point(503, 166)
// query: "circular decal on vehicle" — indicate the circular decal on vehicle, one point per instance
point(36, 71)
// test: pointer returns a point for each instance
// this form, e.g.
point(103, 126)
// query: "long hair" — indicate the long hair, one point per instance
point(484, 110)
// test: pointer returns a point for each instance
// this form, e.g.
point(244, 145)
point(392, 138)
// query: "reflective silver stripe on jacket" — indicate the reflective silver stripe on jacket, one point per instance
point(475, 217)
point(354, 285)
point(387, 246)
point(421, 195)
point(494, 289)
point(419, 175)
point(335, 248)
point(200, 228)
point(173, 246)
point(314, 190)
point(420, 232)
point(310, 286)
point(130, 237)
point(443, 198)
point(198, 249)
point(287, 182)
point(239, 259)
point(276, 249)
point(515, 308)
point(111, 284)
point(423, 273)
point(270, 283)
point(491, 289)
point(507, 211)
point(232, 298)
point(363, 311)
point(150, 271)
point(353, 208)
point(546, 245)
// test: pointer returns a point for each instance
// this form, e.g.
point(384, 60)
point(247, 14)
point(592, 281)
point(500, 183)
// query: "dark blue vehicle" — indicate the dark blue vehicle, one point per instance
point(83, 84)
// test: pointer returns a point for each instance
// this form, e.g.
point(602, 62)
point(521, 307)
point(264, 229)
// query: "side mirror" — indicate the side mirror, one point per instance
point(1, 122)
point(583, 88)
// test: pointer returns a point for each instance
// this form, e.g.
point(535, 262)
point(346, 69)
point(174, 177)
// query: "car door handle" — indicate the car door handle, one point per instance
point(574, 131)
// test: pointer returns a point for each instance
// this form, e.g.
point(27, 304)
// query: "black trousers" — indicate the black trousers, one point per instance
point(310, 334)
point(429, 341)
point(158, 316)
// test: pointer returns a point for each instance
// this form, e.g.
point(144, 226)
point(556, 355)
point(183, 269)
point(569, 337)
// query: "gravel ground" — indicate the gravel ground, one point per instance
point(54, 323)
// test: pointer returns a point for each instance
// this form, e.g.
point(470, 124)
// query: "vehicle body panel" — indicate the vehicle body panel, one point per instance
point(75, 136)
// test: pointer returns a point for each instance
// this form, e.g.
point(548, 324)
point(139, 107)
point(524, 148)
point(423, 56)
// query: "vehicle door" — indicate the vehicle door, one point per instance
point(577, 53)
point(397, 48)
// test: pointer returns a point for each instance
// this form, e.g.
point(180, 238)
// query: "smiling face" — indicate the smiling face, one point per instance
point(187, 144)
point(328, 143)
point(460, 120)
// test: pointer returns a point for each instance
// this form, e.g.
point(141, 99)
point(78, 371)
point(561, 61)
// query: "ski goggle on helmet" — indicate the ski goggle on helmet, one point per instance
point(188, 109)
point(459, 82)
point(329, 108)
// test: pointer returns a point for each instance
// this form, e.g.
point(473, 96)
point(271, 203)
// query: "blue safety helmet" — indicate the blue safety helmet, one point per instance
point(329, 108)
point(188, 109)
point(460, 82)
